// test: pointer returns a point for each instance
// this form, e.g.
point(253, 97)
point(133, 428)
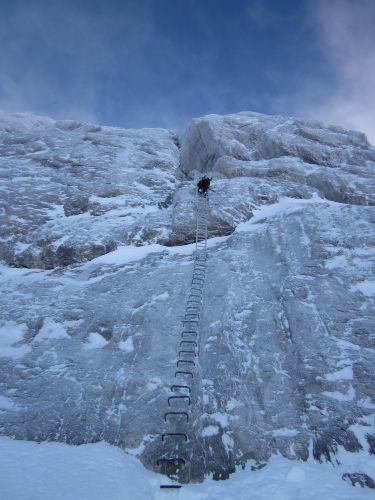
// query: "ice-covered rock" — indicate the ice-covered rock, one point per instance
point(287, 345)
point(252, 136)
point(72, 191)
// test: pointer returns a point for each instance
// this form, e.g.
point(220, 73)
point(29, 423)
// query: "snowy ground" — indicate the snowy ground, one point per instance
point(99, 471)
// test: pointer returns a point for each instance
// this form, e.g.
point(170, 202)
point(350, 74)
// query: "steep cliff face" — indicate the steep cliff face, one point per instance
point(73, 191)
point(91, 327)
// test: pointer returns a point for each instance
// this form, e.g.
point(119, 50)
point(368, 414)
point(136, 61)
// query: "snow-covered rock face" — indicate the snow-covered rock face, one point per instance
point(287, 345)
point(300, 157)
point(71, 191)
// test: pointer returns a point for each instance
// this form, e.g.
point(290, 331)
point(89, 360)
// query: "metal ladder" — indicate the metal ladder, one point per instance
point(176, 455)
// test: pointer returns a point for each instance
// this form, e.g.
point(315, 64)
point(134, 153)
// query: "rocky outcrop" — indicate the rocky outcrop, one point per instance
point(362, 480)
point(251, 136)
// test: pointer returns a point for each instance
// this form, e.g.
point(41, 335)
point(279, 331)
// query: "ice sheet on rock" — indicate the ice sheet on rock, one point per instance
point(251, 136)
point(286, 348)
point(81, 189)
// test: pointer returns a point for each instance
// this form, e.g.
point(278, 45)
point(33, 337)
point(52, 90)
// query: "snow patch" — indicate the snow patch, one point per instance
point(285, 432)
point(125, 254)
point(95, 341)
point(227, 442)
point(130, 253)
point(339, 396)
point(345, 373)
point(7, 404)
point(285, 206)
point(99, 471)
point(366, 403)
point(210, 430)
point(161, 296)
point(346, 345)
point(135, 452)
point(336, 262)
point(11, 333)
point(154, 383)
point(296, 475)
point(232, 404)
point(127, 345)
point(221, 418)
point(51, 330)
point(366, 287)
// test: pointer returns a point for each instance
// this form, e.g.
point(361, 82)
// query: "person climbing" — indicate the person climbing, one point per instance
point(203, 185)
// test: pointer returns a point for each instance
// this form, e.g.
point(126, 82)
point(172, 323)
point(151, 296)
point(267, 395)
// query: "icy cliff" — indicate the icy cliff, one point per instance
point(96, 264)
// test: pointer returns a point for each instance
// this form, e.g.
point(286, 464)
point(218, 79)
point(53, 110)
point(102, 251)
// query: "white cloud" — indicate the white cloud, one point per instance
point(345, 30)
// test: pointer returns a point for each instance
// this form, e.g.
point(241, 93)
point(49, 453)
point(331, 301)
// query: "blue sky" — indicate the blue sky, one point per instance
point(158, 63)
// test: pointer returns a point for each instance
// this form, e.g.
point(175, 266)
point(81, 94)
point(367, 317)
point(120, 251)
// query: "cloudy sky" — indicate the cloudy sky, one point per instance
point(150, 63)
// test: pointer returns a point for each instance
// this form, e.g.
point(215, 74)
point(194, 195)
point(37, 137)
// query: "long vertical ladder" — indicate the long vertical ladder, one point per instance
point(176, 455)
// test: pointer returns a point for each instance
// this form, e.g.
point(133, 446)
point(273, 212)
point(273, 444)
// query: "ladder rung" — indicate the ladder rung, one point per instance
point(188, 342)
point(180, 353)
point(179, 372)
point(177, 413)
point(174, 398)
point(178, 387)
point(186, 361)
point(174, 435)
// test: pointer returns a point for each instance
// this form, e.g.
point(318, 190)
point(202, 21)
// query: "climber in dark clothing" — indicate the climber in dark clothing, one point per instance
point(203, 185)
